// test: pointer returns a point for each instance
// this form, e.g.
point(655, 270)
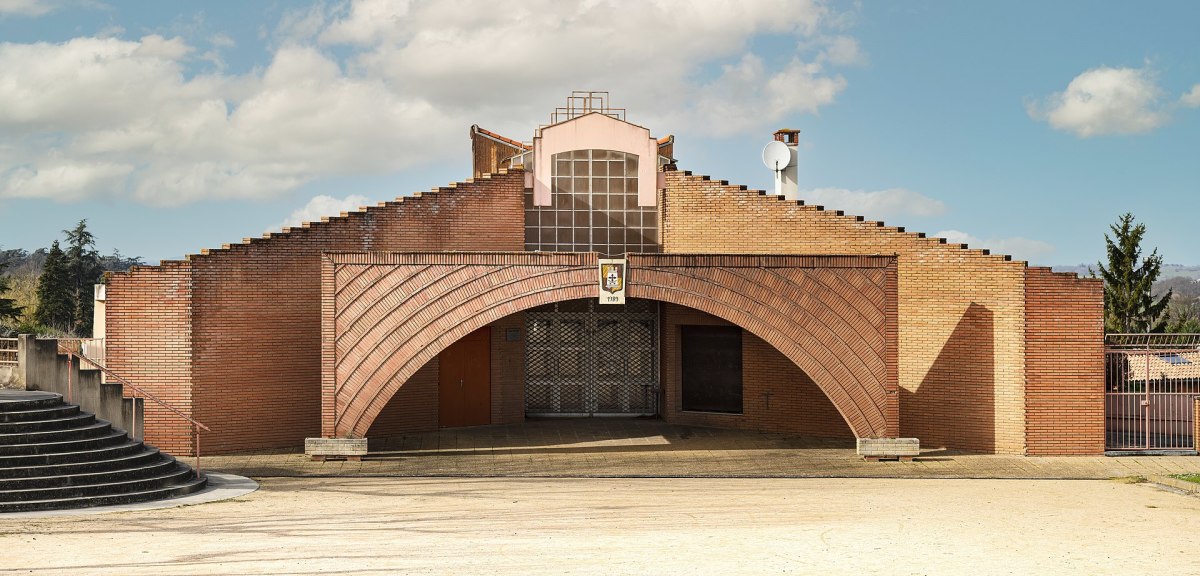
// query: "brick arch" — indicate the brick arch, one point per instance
point(386, 315)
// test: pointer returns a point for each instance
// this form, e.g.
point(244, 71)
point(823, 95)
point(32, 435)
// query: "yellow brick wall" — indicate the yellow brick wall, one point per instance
point(961, 312)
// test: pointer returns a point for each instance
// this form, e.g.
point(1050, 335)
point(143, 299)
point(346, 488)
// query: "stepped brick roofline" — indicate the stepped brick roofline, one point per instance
point(305, 226)
point(289, 231)
point(893, 229)
point(1075, 275)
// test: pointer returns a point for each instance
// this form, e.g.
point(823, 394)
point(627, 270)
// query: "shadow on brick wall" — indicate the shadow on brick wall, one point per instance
point(414, 407)
point(955, 405)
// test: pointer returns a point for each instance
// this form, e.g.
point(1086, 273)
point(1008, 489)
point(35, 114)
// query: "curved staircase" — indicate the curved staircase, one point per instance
point(55, 456)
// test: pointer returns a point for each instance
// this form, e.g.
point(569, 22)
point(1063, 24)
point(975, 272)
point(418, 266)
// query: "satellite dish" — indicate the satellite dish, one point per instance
point(776, 155)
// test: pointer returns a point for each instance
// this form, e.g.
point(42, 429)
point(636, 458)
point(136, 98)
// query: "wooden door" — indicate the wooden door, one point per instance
point(464, 381)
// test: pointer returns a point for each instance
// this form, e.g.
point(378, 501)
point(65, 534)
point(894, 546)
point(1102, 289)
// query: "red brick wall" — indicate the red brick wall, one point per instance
point(508, 370)
point(815, 310)
point(414, 408)
point(255, 309)
point(961, 312)
point(797, 405)
point(447, 296)
point(1064, 367)
point(149, 342)
point(237, 331)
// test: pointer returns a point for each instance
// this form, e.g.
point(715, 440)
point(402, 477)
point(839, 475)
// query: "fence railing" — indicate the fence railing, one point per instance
point(8, 351)
point(1151, 381)
point(1149, 341)
point(77, 350)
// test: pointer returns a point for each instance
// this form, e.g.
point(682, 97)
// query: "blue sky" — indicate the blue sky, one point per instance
point(1026, 127)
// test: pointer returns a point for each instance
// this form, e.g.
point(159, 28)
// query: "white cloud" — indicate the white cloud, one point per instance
point(877, 205)
point(1191, 99)
point(73, 108)
point(66, 181)
point(376, 86)
point(655, 57)
point(320, 206)
point(842, 51)
point(1104, 101)
point(222, 40)
point(746, 95)
point(368, 21)
point(26, 7)
point(1018, 247)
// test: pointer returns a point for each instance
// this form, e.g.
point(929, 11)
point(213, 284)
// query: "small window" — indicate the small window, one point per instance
point(712, 368)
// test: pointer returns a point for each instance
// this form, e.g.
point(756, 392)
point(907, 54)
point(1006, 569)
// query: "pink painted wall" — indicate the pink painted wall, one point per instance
point(598, 132)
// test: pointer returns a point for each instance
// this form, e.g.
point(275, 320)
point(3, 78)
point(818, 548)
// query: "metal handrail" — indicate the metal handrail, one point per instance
point(196, 425)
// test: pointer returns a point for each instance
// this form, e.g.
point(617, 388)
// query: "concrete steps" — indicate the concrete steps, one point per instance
point(55, 456)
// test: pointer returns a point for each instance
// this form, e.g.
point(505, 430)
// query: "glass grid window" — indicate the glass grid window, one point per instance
point(594, 207)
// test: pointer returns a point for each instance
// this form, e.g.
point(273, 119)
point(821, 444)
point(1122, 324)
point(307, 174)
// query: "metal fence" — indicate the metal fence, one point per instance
point(584, 359)
point(1151, 381)
point(8, 351)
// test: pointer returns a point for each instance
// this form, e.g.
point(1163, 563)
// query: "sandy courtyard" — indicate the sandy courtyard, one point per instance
point(631, 526)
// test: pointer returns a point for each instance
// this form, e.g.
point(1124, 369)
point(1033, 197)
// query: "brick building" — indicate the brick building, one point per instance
point(478, 303)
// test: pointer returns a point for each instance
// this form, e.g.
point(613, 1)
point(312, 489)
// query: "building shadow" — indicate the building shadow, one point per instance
point(590, 435)
point(955, 405)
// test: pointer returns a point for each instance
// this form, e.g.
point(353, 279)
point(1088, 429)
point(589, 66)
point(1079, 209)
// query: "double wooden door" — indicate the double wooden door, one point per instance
point(464, 381)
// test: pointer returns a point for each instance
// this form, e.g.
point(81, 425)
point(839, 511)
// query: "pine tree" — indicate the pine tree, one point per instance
point(1185, 318)
point(1129, 305)
point(55, 305)
point(83, 264)
point(8, 306)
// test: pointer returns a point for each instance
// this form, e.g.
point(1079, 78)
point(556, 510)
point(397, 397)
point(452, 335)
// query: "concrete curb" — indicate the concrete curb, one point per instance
point(1191, 488)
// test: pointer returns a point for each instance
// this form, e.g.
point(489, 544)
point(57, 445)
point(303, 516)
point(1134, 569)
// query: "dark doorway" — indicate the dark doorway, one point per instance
point(464, 381)
point(712, 368)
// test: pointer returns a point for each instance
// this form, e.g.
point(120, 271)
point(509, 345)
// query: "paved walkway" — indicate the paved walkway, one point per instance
point(626, 448)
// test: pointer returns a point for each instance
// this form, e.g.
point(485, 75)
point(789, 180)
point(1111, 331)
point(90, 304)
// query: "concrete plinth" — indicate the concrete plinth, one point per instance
point(902, 449)
point(352, 449)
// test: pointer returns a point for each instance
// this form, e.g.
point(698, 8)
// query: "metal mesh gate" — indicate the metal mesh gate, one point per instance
point(584, 359)
point(1152, 381)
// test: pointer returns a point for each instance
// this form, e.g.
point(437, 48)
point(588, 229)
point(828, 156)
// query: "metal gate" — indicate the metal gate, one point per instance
point(1152, 381)
point(584, 359)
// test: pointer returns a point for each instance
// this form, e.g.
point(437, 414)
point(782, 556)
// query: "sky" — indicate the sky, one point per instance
point(1024, 127)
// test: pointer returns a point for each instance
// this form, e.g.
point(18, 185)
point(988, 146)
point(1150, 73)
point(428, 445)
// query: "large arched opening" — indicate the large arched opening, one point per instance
point(388, 315)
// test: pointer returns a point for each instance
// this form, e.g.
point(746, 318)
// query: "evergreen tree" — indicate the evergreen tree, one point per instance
point(83, 265)
point(55, 305)
point(118, 262)
point(1129, 305)
point(1185, 318)
point(8, 306)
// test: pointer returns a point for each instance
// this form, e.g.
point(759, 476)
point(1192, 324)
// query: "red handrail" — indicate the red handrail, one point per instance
point(196, 426)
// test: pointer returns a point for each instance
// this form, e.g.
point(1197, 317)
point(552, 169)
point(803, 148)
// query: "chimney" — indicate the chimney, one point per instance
point(790, 185)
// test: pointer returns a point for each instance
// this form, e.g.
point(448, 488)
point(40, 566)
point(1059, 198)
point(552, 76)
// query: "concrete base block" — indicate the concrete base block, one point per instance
point(320, 449)
point(876, 449)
